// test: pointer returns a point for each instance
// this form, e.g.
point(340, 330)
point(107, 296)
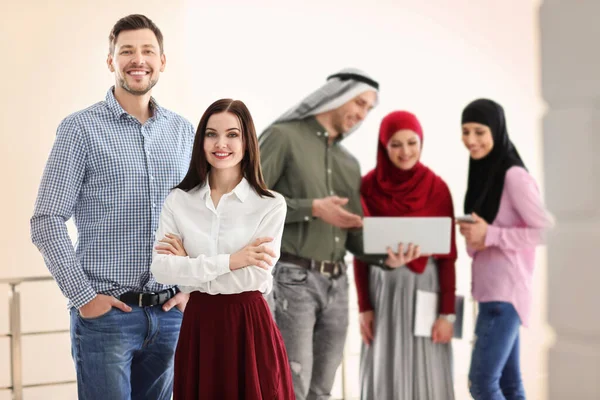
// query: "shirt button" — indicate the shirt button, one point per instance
point(153, 205)
point(332, 192)
point(306, 218)
point(318, 133)
point(329, 170)
point(151, 177)
point(326, 134)
point(337, 239)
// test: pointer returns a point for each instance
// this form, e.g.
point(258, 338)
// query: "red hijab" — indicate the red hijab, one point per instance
point(388, 191)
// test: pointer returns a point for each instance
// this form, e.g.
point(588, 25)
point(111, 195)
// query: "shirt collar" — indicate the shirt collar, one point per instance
point(118, 111)
point(204, 190)
point(241, 191)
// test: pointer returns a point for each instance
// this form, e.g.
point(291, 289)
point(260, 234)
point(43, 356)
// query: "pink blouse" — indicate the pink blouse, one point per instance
point(503, 271)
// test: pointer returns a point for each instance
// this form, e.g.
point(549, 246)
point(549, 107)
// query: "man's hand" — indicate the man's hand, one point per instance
point(256, 253)
point(179, 300)
point(474, 232)
point(396, 260)
point(101, 304)
point(330, 209)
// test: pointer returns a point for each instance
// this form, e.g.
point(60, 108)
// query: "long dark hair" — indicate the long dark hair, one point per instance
point(199, 166)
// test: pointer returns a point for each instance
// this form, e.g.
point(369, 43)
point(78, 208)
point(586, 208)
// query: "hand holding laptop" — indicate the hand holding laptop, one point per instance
point(396, 260)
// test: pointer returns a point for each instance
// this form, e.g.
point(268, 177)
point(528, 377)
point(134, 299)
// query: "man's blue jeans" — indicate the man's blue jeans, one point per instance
point(122, 356)
point(495, 372)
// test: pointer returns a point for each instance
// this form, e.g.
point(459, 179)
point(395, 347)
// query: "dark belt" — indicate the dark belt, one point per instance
point(330, 269)
point(148, 299)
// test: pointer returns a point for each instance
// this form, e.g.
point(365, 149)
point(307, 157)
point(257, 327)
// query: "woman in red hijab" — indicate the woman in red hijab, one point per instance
point(395, 364)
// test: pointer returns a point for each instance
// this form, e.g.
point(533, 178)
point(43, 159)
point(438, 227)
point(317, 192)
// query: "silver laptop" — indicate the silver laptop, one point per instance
point(432, 234)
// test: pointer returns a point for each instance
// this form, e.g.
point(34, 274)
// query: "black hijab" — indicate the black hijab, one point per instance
point(486, 176)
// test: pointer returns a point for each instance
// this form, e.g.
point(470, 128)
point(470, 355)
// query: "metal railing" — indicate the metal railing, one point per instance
point(15, 334)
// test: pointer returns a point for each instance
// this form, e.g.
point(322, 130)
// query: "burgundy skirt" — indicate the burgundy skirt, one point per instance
point(230, 348)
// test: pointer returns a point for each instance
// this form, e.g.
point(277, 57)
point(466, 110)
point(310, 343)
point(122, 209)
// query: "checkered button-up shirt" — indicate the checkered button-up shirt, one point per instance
point(111, 174)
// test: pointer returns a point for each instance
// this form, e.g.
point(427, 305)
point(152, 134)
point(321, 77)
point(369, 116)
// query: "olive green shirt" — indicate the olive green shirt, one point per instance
point(298, 162)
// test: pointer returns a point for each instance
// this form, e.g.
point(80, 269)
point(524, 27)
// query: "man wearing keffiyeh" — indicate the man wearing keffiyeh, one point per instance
point(302, 158)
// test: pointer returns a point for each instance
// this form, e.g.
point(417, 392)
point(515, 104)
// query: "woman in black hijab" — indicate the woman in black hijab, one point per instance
point(509, 222)
point(486, 174)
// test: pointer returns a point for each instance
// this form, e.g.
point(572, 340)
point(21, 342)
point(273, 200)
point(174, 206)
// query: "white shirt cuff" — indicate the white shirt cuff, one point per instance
point(223, 264)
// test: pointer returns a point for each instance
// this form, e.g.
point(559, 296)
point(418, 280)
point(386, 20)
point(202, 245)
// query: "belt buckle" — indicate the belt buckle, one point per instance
point(140, 296)
point(322, 270)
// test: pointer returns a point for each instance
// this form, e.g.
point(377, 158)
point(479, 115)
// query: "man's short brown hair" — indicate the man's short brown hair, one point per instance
point(131, 23)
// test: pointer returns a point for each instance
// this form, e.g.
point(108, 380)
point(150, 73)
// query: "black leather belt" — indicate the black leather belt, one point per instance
point(148, 299)
point(331, 269)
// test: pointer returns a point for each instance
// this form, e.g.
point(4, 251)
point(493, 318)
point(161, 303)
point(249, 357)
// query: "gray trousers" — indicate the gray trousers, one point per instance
point(311, 311)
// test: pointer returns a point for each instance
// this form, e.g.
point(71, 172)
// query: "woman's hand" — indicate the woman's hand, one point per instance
point(401, 258)
point(171, 245)
point(442, 331)
point(367, 326)
point(474, 232)
point(256, 253)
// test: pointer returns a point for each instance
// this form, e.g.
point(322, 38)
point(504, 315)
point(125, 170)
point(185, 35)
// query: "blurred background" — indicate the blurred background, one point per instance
point(538, 59)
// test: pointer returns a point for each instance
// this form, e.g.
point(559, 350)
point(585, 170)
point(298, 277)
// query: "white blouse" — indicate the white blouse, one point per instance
point(210, 235)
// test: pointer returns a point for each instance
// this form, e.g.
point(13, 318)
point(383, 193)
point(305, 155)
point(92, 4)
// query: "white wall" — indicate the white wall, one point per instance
point(431, 58)
point(571, 86)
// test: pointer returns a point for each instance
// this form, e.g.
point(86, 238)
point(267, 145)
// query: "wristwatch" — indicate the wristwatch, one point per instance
point(449, 317)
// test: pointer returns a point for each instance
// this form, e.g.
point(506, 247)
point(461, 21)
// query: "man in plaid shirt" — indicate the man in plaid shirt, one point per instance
point(111, 167)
